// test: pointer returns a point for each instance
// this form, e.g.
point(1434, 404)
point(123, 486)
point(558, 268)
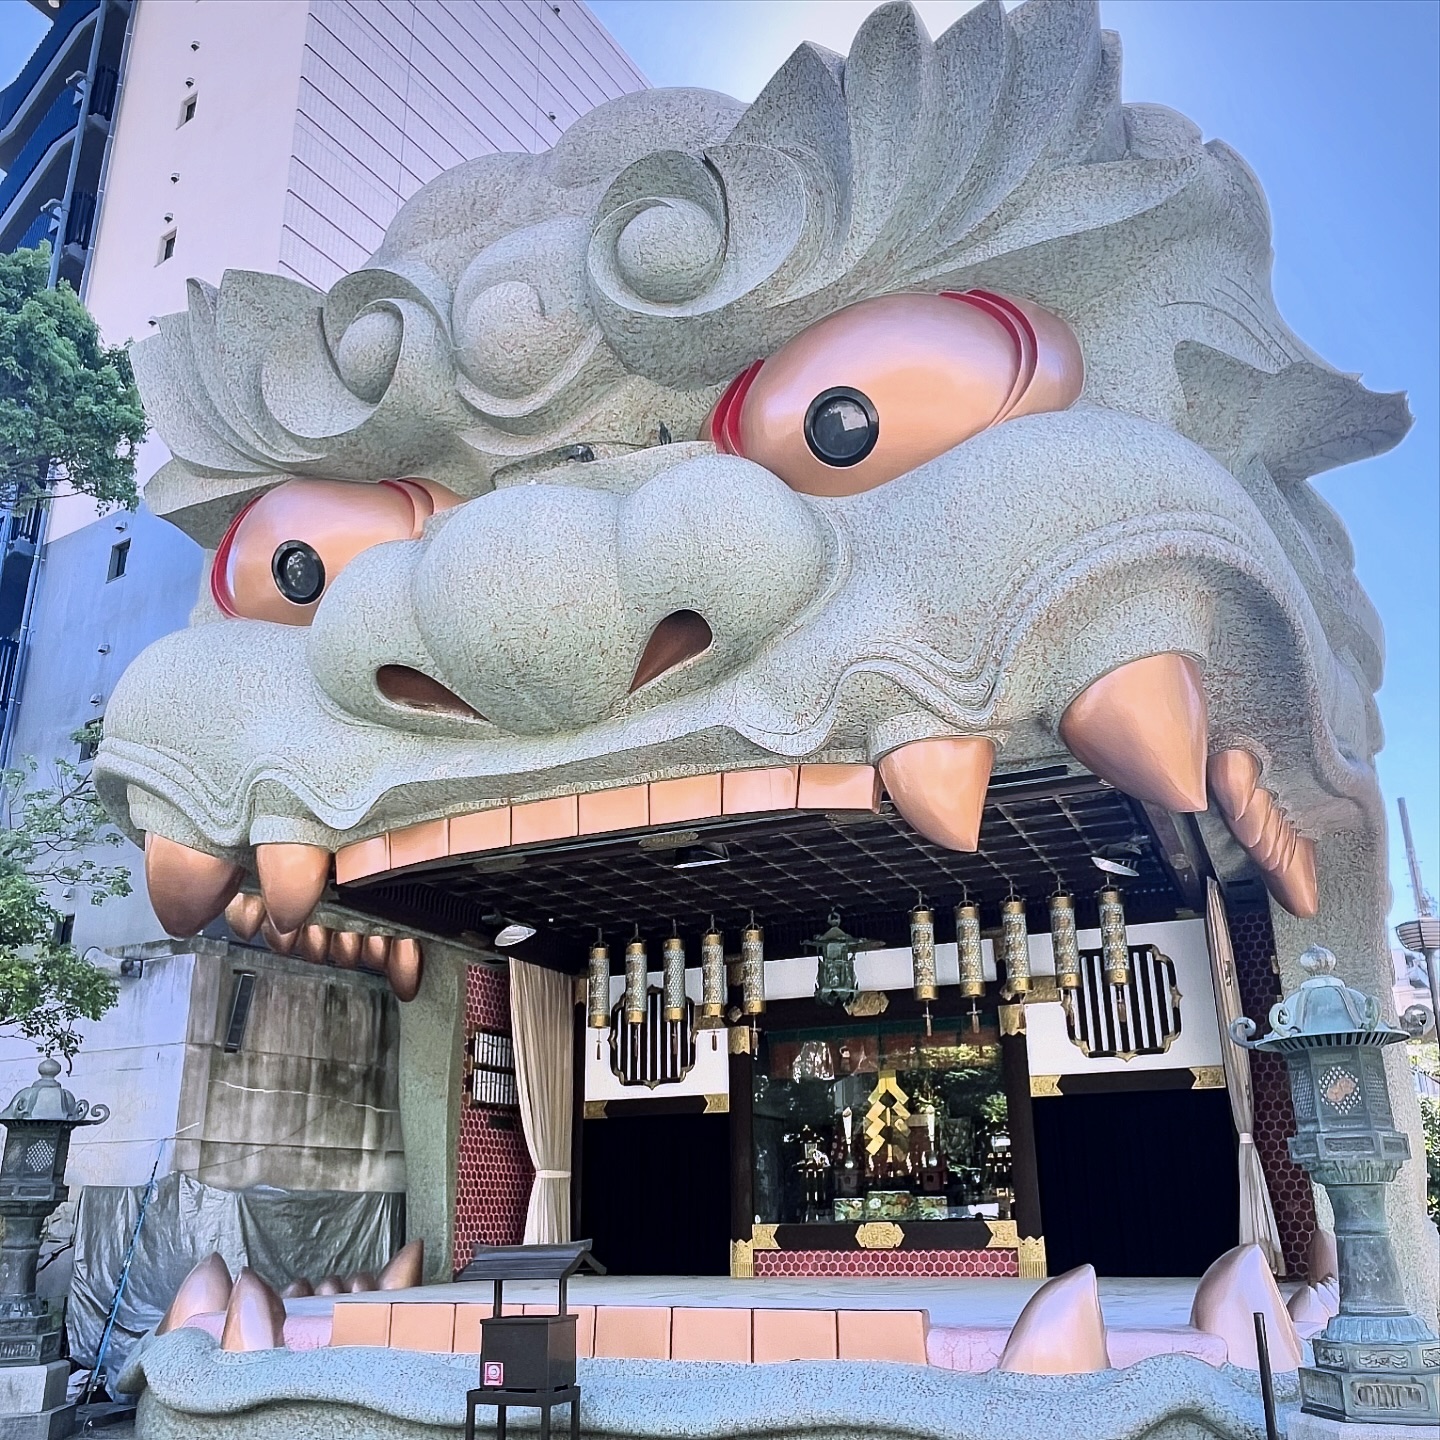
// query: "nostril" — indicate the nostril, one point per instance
point(405, 686)
point(677, 638)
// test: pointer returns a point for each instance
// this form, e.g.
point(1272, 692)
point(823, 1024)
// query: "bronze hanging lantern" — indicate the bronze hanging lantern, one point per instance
point(637, 979)
point(1114, 944)
point(1015, 947)
point(922, 956)
point(674, 978)
point(598, 986)
point(922, 953)
point(1064, 942)
point(712, 979)
point(752, 969)
point(971, 953)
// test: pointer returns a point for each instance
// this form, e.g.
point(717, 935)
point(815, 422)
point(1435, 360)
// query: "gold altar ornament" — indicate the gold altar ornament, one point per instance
point(598, 987)
point(922, 953)
point(1014, 946)
point(752, 969)
point(879, 1235)
point(637, 974)
point(1064, 942)
point(674, 978)
point(1114, 945)
point(972, 957)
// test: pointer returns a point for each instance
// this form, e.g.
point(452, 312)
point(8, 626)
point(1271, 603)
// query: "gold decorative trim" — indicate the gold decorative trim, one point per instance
point(868, 1002)
point(1003, 1235)
point(1043, 991)
point(740, 1040)
point(1012, 1019)
point(1032, 1258)
point(1208, 1077)
point(1044, 1086)
point(742, 1260)
point(595, 1109)
point(879, 1235)
point(717, 1104)
point(762, 1237)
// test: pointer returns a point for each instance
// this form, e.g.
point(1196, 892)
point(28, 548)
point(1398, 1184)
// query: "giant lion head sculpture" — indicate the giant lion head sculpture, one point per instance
point(932, 408)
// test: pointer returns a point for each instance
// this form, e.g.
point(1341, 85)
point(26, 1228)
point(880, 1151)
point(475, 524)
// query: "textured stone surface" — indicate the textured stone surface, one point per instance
point(601, 295)
point(194, 1392)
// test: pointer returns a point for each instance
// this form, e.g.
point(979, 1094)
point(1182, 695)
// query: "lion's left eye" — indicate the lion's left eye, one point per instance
point(286, 546)
point(880, 388)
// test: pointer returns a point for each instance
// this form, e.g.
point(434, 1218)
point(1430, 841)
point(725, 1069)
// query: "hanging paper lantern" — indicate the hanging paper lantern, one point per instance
point(922, 953)
point(1065, 943)
point(712, 979)
point(1114, 944)
point(972, 957)
point(598, 989)
point(674, 978)
point(752, 969)
point(637, 976)
point(1015, 946)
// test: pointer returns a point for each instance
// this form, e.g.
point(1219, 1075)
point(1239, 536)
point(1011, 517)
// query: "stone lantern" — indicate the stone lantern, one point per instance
point(38, 1121)
point(1376, 1361)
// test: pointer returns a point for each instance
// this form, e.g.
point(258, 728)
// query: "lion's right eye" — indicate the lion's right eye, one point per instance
point(286, 546)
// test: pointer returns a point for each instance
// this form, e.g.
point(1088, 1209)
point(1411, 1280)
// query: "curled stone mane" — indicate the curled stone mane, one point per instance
point(520, 303)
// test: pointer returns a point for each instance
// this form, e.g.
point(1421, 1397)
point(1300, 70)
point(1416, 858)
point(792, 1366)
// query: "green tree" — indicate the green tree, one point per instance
point(69, 408)
point(57, 838)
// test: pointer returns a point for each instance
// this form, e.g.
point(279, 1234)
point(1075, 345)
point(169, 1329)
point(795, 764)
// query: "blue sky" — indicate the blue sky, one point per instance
point(1335, 106)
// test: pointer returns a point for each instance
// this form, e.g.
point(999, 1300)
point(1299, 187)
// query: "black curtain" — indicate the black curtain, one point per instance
point(1139, 1182)
point(655, 1194)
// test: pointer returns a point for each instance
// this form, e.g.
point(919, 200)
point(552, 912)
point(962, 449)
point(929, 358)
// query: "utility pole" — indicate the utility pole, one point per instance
point(1423, 933)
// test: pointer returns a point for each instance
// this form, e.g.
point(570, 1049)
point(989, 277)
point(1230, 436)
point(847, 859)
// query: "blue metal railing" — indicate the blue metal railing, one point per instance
point(14, 95)
point(60, 120)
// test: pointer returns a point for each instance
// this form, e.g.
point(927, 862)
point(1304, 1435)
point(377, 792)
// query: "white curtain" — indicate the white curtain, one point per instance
point(542, 1019)
point(1257, 1215)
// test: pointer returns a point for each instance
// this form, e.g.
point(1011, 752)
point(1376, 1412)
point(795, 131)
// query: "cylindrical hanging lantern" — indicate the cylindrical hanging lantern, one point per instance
point(598, 989)
point(637, 977)
point(712, 979)
point(972, 957)
point(752, 969)
point(674, 972)
point(1114, 944)
point(922, 953)
point(1064, 942)
point(1015, 946)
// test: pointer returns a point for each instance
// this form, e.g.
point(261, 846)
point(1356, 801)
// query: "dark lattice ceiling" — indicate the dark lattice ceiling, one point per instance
point(792, 870)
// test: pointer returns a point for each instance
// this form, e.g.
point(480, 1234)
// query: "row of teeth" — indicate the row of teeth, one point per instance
point(1143, 728)
point(254, 1313)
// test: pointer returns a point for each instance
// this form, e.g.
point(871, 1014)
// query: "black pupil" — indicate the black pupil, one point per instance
point(841, 428)
point(299, 572)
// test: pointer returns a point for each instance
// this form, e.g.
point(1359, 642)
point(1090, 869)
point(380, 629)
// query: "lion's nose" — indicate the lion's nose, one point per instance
point(546, 607)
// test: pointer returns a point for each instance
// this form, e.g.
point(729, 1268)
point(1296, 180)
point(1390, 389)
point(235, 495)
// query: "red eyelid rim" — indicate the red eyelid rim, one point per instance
point(1022, 332)
point(219, 588)
point(725, 418)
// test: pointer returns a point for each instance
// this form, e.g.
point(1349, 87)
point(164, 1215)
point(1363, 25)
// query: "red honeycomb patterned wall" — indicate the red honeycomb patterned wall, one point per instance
point(1253, 941)
point(886, 1262)
point(494, 1173)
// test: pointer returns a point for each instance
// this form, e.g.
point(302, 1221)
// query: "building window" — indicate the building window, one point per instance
point(187, 110)
point(240, 998)
point(88, 736)
point(64, 929)
point(167, 247)
point(119, 559)
point(1141, 1017)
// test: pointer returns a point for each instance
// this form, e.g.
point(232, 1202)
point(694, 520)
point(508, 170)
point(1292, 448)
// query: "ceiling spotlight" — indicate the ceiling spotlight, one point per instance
point(695, 857)
point(513, 934)
point(510, 932)
point(1112, 867)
